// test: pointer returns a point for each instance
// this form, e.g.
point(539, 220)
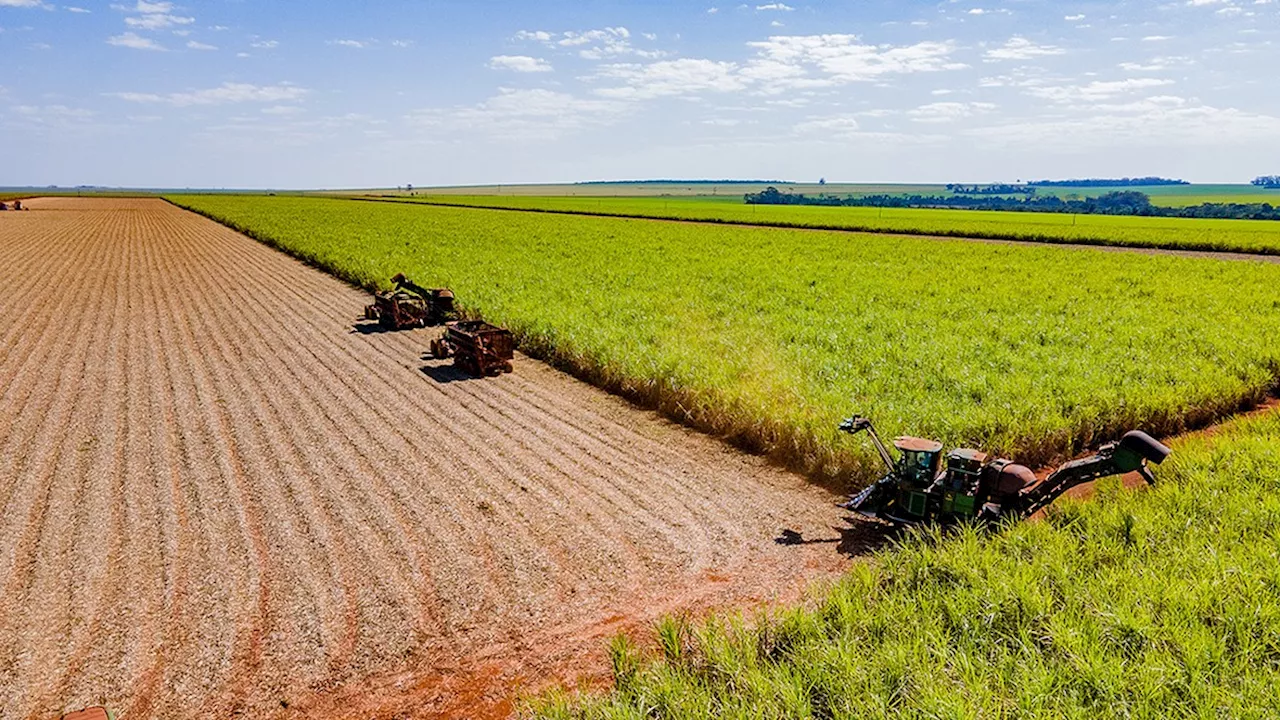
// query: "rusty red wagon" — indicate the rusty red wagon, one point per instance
point(476, 347)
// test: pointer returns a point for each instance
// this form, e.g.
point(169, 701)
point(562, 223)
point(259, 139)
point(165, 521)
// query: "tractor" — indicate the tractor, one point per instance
point(976, 487)
point(410, 305)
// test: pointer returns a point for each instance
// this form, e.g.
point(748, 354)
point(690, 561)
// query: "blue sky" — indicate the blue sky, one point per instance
point(235, 93)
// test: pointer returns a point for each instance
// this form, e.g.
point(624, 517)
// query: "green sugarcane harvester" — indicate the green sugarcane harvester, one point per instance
point(974, 486)
point(411, 305)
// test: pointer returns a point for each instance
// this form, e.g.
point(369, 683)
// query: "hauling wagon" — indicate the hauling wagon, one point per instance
point(410, 305)
point(476, 347)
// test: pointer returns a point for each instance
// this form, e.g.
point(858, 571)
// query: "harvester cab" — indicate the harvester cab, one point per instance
point(974, 486)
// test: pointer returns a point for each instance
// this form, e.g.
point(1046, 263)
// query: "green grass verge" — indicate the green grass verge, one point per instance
point(769, 337)
point(1161, 603)
point(1246, 236)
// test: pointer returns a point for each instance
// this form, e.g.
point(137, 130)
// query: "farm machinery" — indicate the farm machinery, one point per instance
point(975, 486)
point(410, 305)
point(476, 347)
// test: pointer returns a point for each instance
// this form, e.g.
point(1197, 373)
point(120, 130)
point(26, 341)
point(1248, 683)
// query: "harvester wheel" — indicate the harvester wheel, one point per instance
point(506, 367)
point(439, 350)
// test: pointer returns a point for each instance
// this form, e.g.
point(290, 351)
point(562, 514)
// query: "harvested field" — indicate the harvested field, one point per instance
point(219, 498)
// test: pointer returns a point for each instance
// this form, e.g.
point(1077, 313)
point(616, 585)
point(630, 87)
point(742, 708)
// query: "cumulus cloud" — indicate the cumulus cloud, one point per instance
point(1096, 91)
point(75, 9)
point(200, 46)
point(782, 7)
point(686, 76)
point(519, 63)
point(782, 63)
point(1020, 48)
point(348, 43)
point(597, 44)
point(226, 93)
point(264, 44)
point(942, 112)
point(157, 21)
point(135, 41)
point(844, 58)
point(22, 3)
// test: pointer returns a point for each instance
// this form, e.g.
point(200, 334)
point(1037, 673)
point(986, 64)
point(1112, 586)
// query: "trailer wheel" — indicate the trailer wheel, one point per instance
point(439, 350)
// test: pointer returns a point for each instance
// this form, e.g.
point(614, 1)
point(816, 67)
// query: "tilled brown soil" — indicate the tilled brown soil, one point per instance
point(220, 498)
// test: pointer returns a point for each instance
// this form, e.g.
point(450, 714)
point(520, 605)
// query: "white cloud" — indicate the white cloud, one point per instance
point(402, 43)
point(537, 35)
point(282, 110)
point(223, 94)
point(1020, 48)
point(942, 112)
point(519, 63)
point(135, 41)
point(522, 115)
point(713, 10)
point(1157, 38)
point(1073, 18)
point(157, 21)
point(978, 11)
point(571, 38)
point(1096, 91)
point(75, 9)
point(348, 43)
point(265, 44)
point(686, 76)
point(598, 44)
point(843, 58)
point(22, 3)
point(200, 46)
point(776, 6)
point(837, 125)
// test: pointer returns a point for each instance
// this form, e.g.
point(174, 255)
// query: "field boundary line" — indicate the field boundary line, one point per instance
point(1205, 250)
point(783, 449)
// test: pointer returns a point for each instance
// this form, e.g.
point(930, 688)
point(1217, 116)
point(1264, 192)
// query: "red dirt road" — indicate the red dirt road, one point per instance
point(218, 499)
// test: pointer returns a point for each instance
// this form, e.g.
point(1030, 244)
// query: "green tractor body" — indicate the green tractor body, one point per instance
point(973, 486)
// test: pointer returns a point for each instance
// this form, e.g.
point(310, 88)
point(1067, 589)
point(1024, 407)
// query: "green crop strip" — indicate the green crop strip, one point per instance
point(770, 337)
point(1246, 236)
point(1163, 603)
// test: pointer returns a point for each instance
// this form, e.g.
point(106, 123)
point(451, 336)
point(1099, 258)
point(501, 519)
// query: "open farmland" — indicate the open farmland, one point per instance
point(771, 336)
point(1156, 604)
point(221, 500)
point(1246, 236)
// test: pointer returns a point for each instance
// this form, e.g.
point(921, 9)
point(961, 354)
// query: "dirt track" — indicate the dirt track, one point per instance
point(218, 497)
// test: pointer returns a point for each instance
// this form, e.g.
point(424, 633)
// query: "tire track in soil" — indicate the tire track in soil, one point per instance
point(44, 561)
point(284, 517)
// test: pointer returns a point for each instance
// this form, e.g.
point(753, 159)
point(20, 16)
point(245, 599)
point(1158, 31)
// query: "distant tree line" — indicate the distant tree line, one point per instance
point(1270, 182)
point(1108, 182)
point(1125, 202)
point(997, 189)
point(684, 182)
